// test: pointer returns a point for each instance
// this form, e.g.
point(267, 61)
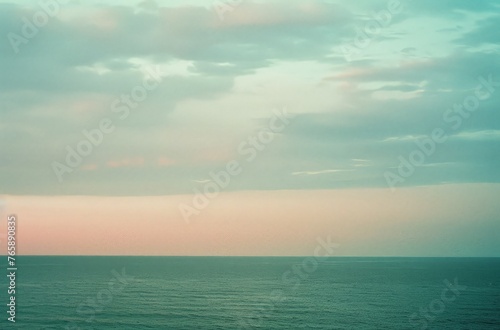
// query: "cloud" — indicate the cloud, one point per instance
point(483, 34)
point(221, 77)
point(318, 172)
point(479, 135)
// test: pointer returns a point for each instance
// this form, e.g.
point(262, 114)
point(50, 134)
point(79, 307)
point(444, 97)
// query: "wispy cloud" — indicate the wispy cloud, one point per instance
point(479, 135)
point(319, 172)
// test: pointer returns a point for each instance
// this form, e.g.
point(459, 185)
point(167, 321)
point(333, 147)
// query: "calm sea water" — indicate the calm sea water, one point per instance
point(260, 292)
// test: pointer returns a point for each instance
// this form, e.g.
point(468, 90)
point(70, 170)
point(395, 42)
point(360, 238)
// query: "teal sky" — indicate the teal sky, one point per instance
point(223, 78)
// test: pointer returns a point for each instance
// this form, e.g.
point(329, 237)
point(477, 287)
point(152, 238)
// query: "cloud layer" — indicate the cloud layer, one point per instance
point(221, 78)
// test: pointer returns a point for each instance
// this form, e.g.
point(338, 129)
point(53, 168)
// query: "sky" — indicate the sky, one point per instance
point(186, 105)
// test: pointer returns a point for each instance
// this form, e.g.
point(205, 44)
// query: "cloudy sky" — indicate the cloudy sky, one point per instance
point(152, 98)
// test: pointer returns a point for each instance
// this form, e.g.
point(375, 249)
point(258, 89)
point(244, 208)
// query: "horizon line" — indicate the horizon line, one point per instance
point(236, 256)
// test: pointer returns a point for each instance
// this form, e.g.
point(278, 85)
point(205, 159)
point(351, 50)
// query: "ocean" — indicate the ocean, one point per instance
point(252, 293)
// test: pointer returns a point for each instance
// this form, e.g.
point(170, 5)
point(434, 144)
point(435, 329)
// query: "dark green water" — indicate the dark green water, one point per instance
point(260, 292)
